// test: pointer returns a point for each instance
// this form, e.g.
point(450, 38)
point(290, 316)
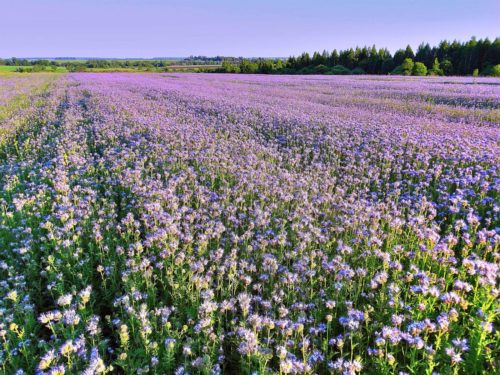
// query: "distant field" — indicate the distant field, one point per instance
point(4, 68)
point(176, 68)
point(173, 67)
point(85, 60)
point(66, 61)
point(10, 68)
point(110, 70)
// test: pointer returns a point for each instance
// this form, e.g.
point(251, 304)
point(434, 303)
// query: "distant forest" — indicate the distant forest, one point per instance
point(474, 57)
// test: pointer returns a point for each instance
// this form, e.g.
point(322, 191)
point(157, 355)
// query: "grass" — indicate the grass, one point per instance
point(14, 69)
point(9, 68)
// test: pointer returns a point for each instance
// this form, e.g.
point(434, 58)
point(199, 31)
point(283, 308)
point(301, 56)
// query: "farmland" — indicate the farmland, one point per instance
point(5, 69)
point(219, 223)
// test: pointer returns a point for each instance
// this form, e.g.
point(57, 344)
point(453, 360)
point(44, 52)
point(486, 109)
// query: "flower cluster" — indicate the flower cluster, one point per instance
point(191, 223)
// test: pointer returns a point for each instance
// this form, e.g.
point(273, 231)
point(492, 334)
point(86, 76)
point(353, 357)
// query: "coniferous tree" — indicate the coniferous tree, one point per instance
point(334, 58)
point(399, 57)
point(409, 53)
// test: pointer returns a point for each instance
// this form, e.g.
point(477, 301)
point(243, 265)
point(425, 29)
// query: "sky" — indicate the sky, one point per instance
point(272, 28)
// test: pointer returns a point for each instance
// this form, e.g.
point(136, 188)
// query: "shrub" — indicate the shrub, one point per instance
point(398, 70)
point(24, 69)
point(436, 69)
point(307, 70)
point(491, 71)
point(358, 70)
point(247, 66)
point(419, 69)
point(321, 69)
point(340, 70)
point(405, 68)
point(227, 67)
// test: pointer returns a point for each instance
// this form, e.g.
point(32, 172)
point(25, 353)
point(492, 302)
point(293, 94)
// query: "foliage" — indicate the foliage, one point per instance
point(247, 66)
point(454, 58)
point(445, 59)
point(228, 67)
point(358, 70)
point(436, 69)
point(406, 67)
point(419, 69)
point(447, 67)
point(321, 69)
point(340, 70)
point(492, 71)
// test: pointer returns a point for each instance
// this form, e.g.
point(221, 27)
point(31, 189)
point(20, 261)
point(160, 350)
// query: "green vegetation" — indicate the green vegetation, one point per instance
point(436, 69)
point(31, 69)
point(448, 58)
point(339, 69)
point(406, 68)
point(419, 69)
point(7, 68)
point(93, 65)
point(493, 71)
point(474, 57)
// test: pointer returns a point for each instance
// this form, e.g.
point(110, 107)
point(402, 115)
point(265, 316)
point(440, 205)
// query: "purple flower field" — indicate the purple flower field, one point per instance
point(248, 224)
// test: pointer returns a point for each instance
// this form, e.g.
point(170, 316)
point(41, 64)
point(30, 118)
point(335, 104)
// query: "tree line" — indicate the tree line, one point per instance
point(474, 57)
point(83, 65)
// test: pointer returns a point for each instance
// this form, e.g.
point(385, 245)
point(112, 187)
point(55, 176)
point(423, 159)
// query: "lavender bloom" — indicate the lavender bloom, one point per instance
point(301, 224)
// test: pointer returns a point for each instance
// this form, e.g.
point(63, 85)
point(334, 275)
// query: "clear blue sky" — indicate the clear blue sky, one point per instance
point(151, 28)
